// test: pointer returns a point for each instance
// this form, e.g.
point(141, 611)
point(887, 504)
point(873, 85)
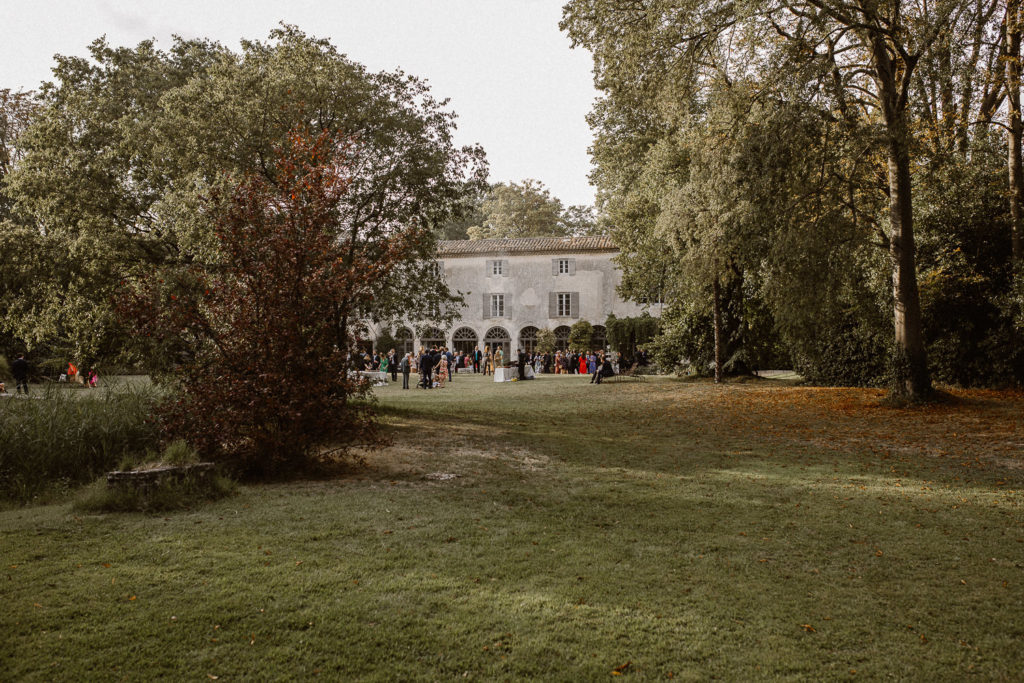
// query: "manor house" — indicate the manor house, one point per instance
point(515, 287)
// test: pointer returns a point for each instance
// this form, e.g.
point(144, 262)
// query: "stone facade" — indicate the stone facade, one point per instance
point(514, 287)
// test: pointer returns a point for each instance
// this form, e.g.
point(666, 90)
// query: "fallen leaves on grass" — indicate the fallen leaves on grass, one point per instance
point(978, 427)
point(621, 669)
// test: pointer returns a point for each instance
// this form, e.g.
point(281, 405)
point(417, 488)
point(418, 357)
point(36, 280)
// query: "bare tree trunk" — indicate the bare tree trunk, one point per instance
point(1016, 172)
point(717, 290)
point(912, 363)
point(1014, 165)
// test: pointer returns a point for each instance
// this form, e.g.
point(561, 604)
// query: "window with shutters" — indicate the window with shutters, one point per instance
point(563, 266)
point(564, 305)
point(497, 305)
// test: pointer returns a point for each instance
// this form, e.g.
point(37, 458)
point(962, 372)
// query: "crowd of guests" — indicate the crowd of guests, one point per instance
point(438, 365)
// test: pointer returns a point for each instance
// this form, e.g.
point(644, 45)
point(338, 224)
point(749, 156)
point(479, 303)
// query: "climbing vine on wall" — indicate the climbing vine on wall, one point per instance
point(626, 334)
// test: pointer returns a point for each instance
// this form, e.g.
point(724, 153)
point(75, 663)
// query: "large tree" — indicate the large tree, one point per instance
point(661, 62)
point(129, 142)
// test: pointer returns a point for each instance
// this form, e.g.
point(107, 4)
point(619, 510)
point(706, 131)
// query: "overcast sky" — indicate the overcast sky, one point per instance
point(517, 87)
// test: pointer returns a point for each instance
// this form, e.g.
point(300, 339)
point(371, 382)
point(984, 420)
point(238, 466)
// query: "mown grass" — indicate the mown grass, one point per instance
point(63, 436)
point(554, 530)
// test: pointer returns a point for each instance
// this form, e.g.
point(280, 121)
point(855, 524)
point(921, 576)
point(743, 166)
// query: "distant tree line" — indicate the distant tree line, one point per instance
point(527, 209)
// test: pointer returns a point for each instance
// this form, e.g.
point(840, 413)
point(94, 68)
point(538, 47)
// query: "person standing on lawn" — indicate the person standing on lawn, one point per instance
point(19, 368)
point(406, 367)
point(441, 370)
point(425, 368)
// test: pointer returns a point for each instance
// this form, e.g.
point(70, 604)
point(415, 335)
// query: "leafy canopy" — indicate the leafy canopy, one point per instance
point(129, 143)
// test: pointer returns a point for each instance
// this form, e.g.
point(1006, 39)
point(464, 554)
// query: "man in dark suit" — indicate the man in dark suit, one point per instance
point(604, 369)
point(521, 362)
point(477, 355)
point(425, 369)
point(435, 359)
point(19, 368)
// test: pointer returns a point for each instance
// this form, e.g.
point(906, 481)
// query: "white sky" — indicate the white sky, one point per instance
point(517, 87)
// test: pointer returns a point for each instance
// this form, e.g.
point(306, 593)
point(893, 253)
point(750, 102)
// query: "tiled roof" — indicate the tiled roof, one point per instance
point(524, 245)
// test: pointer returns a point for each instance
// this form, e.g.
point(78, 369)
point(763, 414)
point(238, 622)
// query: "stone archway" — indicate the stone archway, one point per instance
point(464, 340)
point(403, 335)
point(562, 337)
point(528, 339)
point(499, 337)
point(432, 336)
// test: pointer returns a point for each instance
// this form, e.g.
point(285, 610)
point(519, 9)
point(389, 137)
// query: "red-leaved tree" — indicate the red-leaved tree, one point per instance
point(264, 334)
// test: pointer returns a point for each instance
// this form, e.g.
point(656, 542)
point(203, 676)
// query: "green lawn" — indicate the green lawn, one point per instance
point(555, 530)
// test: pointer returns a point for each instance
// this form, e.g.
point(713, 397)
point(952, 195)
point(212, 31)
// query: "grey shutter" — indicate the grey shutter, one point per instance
point(552, 304)
point(572, 266)
point(486, 310)
point(574, 305)
point(489, 269)
point(554, 266)
point(504, 268)
point(440, 268)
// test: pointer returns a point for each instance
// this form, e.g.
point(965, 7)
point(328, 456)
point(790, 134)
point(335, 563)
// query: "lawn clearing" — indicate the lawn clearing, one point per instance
point(562, 531)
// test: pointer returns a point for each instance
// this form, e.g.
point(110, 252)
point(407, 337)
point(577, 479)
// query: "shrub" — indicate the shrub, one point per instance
point(546, 341)
point(626, 334)
point(580, 335)
point(847, 353)
point(267, 333)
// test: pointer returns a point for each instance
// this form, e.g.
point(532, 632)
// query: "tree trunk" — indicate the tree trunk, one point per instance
point(912, 361)
point(1015, 168)
point(1013, 29)
point(717, 290)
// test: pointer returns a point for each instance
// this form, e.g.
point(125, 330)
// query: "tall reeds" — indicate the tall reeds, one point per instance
point(68, 436)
